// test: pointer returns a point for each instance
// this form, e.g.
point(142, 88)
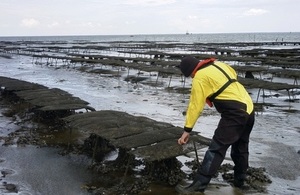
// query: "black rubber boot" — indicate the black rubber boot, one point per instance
point(239, 180)
point(209, 167)
point(199, 185)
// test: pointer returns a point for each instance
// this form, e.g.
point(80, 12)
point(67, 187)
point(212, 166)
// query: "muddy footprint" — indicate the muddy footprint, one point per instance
point(10, 187)
point(5, 172)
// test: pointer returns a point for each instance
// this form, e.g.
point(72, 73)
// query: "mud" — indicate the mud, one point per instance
point(122, 175)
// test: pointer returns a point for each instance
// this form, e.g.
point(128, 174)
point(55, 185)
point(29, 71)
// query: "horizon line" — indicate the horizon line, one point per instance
point(143, 34)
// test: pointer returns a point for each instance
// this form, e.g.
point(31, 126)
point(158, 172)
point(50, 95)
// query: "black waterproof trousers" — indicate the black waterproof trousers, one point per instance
point(233, 130)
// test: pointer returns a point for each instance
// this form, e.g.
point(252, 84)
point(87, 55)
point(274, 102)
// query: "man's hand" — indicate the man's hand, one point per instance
point(184, 138)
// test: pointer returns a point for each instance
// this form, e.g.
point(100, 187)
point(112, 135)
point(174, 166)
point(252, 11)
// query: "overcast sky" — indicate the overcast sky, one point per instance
point(118, 17)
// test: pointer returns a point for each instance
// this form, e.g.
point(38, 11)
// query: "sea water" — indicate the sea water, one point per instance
point(183, 38)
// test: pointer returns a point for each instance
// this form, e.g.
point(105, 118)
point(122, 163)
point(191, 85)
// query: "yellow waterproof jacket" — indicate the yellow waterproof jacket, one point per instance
point(209, 80)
